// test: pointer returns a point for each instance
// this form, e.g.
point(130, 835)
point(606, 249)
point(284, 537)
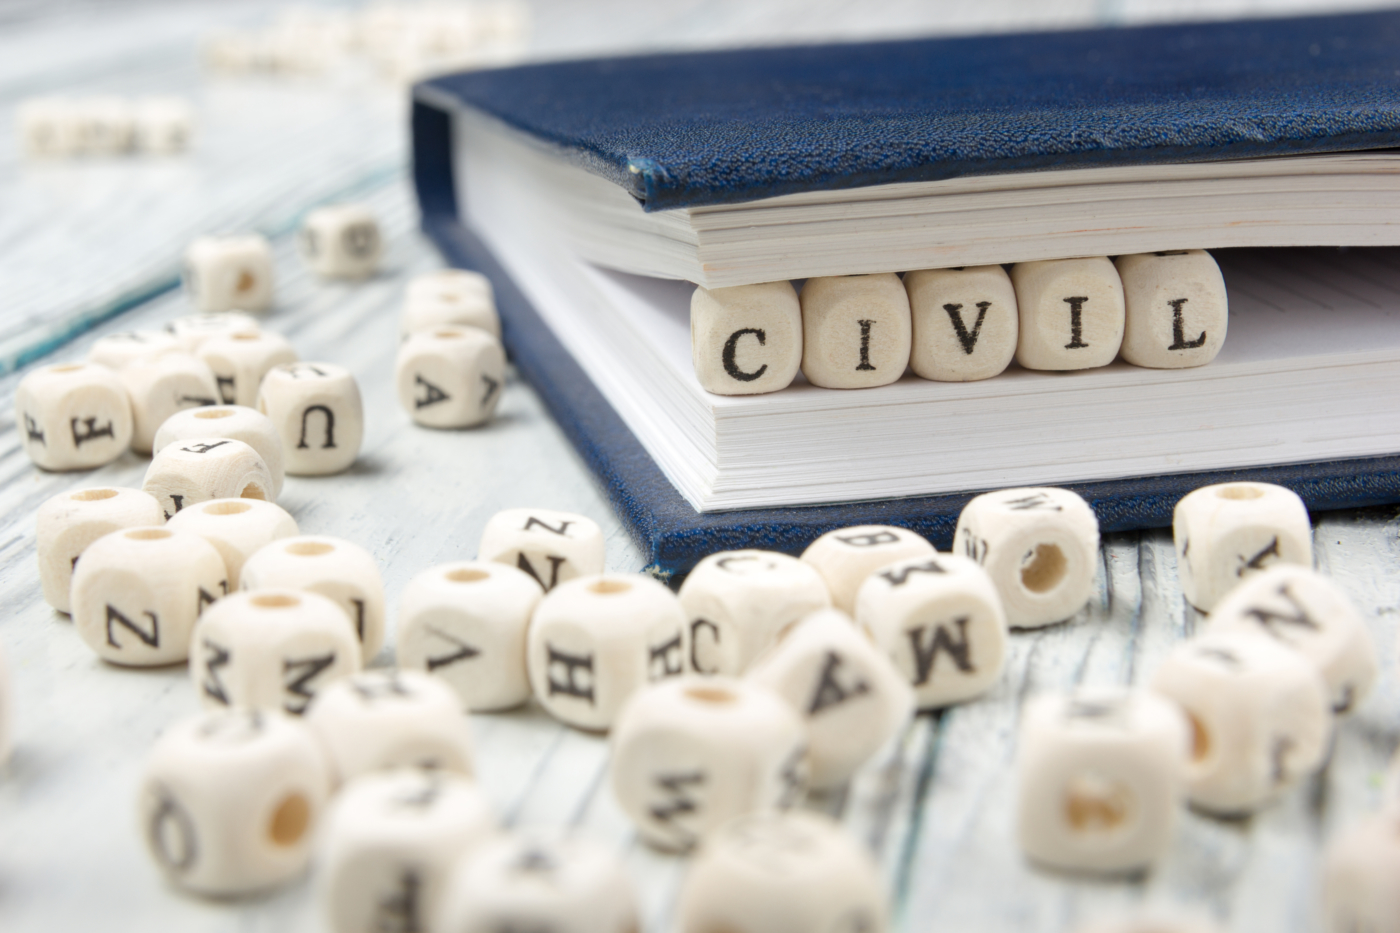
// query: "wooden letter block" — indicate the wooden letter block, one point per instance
point(1040, 546)
point(187, 472)
point(379, 720)
point(450, 377)
point(74, 416)
point(747, 339)
point(465, 623)
point(965, 322)
point(783, 872)
point(1359, 892)
point(118, 351)
point(237, 527)
point(553, 547)
point(239, 361)
point(333, 567)
point(530, 883)
point(163, 125)
point(272, 649)
point(103, 126)
point(48, 127)
point(1259, 714)
point(230, 801)
point(318, 413)
point(448, 297)
point(690, 754)
point(739, 601)
point(389, 845)
point(856, 330)
point(193, 329)
point(248, 425)
point(161, 385)
point(940, 620)
point(1099, 776)
point(137, 593)
point(229, 273)
point(70, 521)
point(341, 241)
point(851, 695)
point(1071, 313)
point(595, 641)
point(1228, 532)
point(1177, 308)
point(846, 556)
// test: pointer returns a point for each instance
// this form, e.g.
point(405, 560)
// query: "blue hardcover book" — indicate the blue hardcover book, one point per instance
point(1250, 113)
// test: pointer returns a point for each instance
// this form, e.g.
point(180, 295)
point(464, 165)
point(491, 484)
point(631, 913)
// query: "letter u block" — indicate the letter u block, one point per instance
point(747, 339)
point(965, 322)
point(318, 413)
point(856, 330)
point(1072, 313)
point(552, 547)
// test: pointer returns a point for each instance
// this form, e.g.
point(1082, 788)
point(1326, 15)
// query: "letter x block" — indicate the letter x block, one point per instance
point(747, 339)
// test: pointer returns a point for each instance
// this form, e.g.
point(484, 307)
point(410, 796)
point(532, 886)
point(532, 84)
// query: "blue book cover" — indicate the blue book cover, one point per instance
point(726, 127)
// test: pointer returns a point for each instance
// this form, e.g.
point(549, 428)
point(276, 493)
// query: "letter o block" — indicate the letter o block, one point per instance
point(70, 521)
point(450, 377)
point(846, 556)
point(856, 330)
point(747, 339)
point(318, 413)
point(965, 322)
point(74, 416)
point(1177, 308)
point(1072, 313)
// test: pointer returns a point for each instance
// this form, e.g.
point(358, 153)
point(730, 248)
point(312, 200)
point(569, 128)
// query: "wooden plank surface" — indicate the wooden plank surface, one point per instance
point(936, 806)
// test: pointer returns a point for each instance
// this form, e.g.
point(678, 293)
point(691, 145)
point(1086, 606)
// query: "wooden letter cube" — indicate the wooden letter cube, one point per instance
point(739, 601)
point(230, 800)
point(1259, 714)
point(553, 547)
point(1040, 546)
point(940, 620)
point(161, 385)
point(1071, 313)
point(103, 126)
point(118, 351)
point(248, 425)
point(783, 872)
point(1227, 532)
point(595, 641)
point(690, 754)
point(74, 416)
point(237, 527)
point(1099, 779)
point(48, 127)
point(846, 556)
point(390, 843)
point(449, 296)
point(163, 125)
point(318, 413)
point(465, 622)
point(272, 649)
point(240, 359)
point(450, 377)
point(137, 593)
point(1177, 308)
point(846, 688)
point(333, 567)
point(1358, 878)
point(747, 339)
point(965, 322)
point(193, 329)
point(341, 241)
point(856, 330)
point(70, 521)
point(187, 472)
point(229, 273)
point(377, 720)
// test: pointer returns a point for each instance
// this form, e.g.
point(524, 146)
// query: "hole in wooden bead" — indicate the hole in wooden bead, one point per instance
point(147, 534)
point(290, 820)
point(213, 413)
point(246, 335)
point(252, 491)
point(246, 281)
point(1044, 568)
point(309, 548)
point(609, 587)
point(93, 495)
point(466, 575)
point(1200, 738)
point(227, 508)
point(262, 405)
point(447, 334)
point(70, 368)
point(711, 694)
point(448, 296)
point(1096, 804)
point(275, 601)
point(1239, 491)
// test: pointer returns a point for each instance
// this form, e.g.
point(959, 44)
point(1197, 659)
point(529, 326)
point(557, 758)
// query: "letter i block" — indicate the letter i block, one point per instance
point(1227, 532)
point(747, 339)
point(550, 546)
point(318, 414)
point(856, 330)
point(1177, 308)
point(1072, 313)
point(940, 620)
point(965, 322)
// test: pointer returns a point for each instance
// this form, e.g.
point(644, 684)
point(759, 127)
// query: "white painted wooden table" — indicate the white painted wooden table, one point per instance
point(78, 241)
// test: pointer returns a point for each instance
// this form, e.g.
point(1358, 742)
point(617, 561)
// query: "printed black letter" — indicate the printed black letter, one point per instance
point(151, 638)
point(968, 341)
point(865, 344)
point(572, 664)
point(830, 691)
point(1179, 341)
point(330, 427)
point(732, 344)
point(926, 651)
point(1076, 323)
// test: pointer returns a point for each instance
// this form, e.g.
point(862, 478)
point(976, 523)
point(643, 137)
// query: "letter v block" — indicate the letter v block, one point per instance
point(746, 340)
point(965, 322)
point(940, 620)
point(553, 547)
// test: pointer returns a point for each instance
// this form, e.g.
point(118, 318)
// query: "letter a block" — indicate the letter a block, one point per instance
point(1177, 309)
point(856, 330)
point(553, 547)
point(1071, 313)
point(965, 322)
point(317, 410)
point(450, 377)
point(747, 339)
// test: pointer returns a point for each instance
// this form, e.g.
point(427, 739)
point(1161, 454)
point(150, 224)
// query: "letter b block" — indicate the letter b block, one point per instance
point(318, 414)
point(1071, 313)
point(550, 546)
point(1177, 308)
point(747, 339)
